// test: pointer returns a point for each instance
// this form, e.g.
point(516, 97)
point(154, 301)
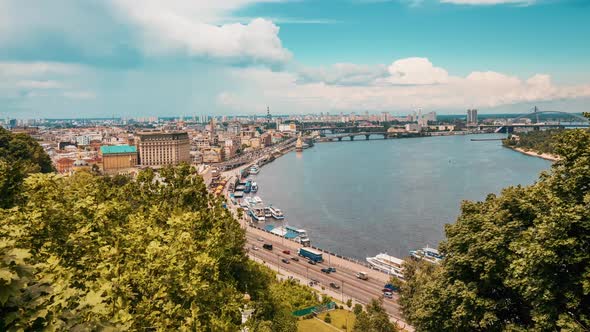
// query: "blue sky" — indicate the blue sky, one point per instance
point(67, 58)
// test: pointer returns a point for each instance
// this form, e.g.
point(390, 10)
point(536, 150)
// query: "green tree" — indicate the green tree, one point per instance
point(157, 252)
point(517, 261)
point(541, 141)
point(358, 308)
point(374, 319)
point(20, 155)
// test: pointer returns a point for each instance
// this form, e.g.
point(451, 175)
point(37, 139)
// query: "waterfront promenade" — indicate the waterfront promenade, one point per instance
point(350, 287)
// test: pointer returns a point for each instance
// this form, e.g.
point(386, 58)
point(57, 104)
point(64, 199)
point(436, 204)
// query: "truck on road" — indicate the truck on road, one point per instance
point(312, 255)
point(362, 275)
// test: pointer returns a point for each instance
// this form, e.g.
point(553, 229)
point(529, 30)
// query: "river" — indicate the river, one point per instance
point(363, 197)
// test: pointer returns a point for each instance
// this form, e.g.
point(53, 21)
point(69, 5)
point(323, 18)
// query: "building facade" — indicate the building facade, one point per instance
point(163, 148)
point(472, 117)
point(118, 157)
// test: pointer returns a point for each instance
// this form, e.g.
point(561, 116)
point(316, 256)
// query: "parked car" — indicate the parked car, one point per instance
point(311, 262)
point(333, 285)
point(332, 269)
point(326, 270)
point(388, 295)
point(286, 252)
point(255, 248)
point(296, 259)
point(286, 261)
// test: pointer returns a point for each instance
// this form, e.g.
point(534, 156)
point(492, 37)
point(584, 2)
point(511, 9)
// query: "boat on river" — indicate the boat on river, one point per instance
point(276, 213)
point(428, 254)
point(388, 264)
point(257, 214)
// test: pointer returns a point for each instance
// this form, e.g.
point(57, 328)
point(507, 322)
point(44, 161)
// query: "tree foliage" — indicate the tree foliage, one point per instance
point(373, 319)
point(540, 141)
point(517, 261)
point(19, 155)
point(157, 252)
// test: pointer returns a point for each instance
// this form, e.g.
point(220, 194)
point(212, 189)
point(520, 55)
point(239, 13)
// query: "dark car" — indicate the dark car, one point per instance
point(325, 270)
point(286, 252)
point(286, 261)
point(333, 285)
point(267, 246)
point(311, 262)
point(390, 288)
point(332, 269)
point(296, 259)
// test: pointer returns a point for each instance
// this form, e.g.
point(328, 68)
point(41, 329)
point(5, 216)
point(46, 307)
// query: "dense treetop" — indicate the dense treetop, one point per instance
point(157, 253)
point(516, 261)
point(540, 141)
point(20, 155)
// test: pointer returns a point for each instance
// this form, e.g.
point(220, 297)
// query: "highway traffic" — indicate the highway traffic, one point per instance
point(344, 281)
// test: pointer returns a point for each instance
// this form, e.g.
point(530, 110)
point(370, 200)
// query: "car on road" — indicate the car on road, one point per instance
point(390, 288)
point(286, 261)
point(255, 248)
point(326, 270)
point(267, 246)
point(296, 259)
point(311, 262)
point(332, 269)
point(388, 295)
point(286, 252)
point(259, 239)
point(333, 285)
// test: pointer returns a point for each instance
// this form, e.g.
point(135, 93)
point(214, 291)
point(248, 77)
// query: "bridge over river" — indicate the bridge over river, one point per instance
point(351, 136)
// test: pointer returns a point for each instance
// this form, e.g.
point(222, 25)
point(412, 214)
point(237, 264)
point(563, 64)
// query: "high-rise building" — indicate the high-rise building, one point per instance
point(163, 148)
point(430, 116)
point(472, 117)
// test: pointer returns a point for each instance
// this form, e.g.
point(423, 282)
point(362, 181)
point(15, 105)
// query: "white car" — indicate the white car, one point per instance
point(255, 248)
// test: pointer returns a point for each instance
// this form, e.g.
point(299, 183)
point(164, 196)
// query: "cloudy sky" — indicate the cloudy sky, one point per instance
point(90, 58)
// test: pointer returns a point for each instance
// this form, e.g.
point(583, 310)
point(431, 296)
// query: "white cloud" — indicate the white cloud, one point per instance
point(37, 68)
point(189, 27)
point(32, 84)
point(114, 30)
point(415, 71)
point(79, 94)
point(287, 94)
point(343, 74)
point(489, 2)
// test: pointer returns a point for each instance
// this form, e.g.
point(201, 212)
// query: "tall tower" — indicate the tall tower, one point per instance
point(536, 112)
point(268, 117)
point(299, 144)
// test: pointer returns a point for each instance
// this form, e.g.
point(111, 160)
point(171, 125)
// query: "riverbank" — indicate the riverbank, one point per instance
point(546, 156)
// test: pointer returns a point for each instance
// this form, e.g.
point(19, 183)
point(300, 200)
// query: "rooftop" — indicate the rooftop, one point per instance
point(114, 149)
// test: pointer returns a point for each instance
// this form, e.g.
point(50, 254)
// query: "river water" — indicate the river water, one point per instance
point(363, 197)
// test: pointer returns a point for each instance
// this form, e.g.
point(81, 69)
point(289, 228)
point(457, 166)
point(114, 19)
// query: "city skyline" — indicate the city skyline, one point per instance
point(85, 60)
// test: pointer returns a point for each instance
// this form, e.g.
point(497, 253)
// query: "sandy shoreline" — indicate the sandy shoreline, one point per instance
point(545, 156)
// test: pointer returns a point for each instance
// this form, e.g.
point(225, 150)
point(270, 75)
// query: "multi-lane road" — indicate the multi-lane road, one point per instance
point(349, 286)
